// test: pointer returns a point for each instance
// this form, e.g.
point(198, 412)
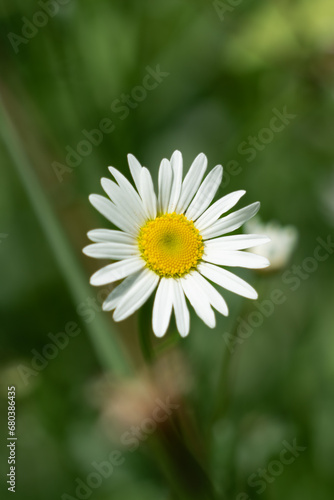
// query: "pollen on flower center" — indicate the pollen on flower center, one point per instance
point(170, 245)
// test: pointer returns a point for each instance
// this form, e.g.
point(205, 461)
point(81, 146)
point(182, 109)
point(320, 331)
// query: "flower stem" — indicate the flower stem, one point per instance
point(186, 477)
point(223, 387)
point(145, 332)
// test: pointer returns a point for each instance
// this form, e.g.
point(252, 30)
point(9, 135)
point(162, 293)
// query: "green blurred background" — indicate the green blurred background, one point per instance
point(226, 66)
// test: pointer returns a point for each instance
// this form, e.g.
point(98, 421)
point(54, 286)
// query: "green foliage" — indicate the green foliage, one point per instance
point(213, 83)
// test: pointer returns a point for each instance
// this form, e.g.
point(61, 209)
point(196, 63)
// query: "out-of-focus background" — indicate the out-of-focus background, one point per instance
point(251, 85)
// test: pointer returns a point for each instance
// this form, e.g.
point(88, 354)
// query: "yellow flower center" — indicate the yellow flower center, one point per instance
point(170, 245)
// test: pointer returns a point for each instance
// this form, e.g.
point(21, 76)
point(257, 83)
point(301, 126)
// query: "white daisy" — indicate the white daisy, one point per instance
point(173, 242)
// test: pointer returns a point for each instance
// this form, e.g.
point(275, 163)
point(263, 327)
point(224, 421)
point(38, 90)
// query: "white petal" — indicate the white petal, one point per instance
point(117, 271)
point(162, 308)
point(235, 259)
point(192, 182)
point(205, 194)
point(135, 169)
point(147, 193)
point(115, 251)
point(165, 185)
point(217, 209)
point(118, 292)
point(199, 300)
point(180, 307)
point(122, 200)
point(177, 169)
point(216, 300)
point(236, 242)
point(137, 294)
point(231, 222)
point(101, 235)
point(129, 190)
point(227, 280)
point(110, 211)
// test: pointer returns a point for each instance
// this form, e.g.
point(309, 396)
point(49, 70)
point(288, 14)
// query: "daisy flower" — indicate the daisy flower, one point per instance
point(173, 242)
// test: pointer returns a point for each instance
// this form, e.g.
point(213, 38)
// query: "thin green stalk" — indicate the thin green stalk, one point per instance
point(223, 387)
point(186, 477)
point(145, 332)
point(102, 335)
point(167, 467)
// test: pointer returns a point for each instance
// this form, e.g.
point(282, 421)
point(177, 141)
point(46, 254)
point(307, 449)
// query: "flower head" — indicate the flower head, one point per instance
point(173, 242)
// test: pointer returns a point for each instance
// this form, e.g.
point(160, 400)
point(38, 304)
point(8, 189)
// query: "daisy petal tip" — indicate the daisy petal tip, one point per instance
point(132, 159)
point(118, 317)
point(176, 153)
point(184, 331)
point(212, 324)
point(164, 162)
point(220, 170)
point(158, 333)
point(85, 250)
point(202, 158)
point(92, 198)
point(225, 312)
point(93, 281)
point(145, 174)
point(121, 316)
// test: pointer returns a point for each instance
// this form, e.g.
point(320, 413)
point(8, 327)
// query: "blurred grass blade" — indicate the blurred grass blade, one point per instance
point(103, 338)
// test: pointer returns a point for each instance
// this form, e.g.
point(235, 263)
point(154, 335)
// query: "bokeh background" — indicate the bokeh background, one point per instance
point(224, 67)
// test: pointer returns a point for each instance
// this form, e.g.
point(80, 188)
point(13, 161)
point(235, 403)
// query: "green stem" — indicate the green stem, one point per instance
point(168, 469)
point(102, 336)
point(223, 387)
point(186, 477)
point(145, 332)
